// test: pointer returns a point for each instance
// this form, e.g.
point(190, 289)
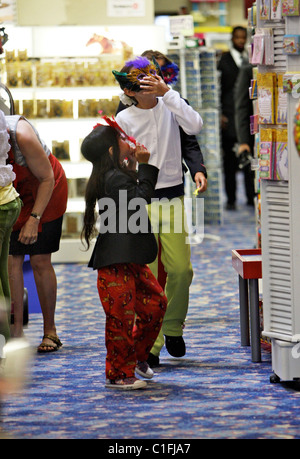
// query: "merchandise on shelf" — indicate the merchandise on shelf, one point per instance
point(64, 98)
point(202, 91)
point(291, 44)
point(266, 97)
point(273, 153)
point(24, 72)
point(290, 7)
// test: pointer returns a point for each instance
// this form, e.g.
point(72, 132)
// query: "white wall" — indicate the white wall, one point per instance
point(70, 41)
point(75, 12)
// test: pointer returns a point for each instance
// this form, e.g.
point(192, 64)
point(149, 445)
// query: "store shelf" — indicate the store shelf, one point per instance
point(200, 84)
point(68, 93)
point(68, 132)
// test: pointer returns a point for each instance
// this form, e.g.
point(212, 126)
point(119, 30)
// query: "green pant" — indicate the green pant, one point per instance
point(169, 224)
point(8, 216)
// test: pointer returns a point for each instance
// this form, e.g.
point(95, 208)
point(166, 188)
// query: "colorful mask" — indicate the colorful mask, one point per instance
point(112, 123)
point(141, 67)
point(170, 73)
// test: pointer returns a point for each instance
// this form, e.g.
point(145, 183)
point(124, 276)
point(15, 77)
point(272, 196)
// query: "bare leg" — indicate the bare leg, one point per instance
point(46, 285)
point(16, 281)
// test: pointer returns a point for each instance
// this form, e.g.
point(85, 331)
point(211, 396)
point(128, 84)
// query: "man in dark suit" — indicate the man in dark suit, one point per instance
point(243, 112)
point(229, 65)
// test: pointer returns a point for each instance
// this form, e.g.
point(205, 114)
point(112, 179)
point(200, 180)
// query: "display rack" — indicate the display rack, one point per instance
point(198, 82)
point(280, 209)
point(204, 9)
point(64, 108)
point(63, 116)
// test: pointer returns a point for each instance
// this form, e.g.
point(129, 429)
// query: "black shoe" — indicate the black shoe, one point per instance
point(230, 206)
point(153, 360)
point(175, 346)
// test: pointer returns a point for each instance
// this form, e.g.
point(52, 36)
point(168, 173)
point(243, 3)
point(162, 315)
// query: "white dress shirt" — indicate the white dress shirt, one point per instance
point(239, 57)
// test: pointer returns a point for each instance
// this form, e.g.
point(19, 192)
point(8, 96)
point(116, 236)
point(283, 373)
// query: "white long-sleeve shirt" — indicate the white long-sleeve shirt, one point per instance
point(158, 130)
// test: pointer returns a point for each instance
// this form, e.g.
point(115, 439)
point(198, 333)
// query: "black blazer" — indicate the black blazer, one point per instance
point(229, 73)
point(117, 241)
point(243, 105)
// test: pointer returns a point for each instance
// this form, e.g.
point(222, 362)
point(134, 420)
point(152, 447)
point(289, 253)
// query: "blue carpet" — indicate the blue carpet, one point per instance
point(214, 392)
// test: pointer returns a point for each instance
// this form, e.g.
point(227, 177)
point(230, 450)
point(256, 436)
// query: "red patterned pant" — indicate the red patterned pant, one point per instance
point(134, 304)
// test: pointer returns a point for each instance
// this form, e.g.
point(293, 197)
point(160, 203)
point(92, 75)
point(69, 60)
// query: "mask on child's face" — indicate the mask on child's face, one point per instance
point(112, 122)
point(141, 67)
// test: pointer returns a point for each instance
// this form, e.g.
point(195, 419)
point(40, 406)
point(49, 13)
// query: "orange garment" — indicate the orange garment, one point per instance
point(134, 304)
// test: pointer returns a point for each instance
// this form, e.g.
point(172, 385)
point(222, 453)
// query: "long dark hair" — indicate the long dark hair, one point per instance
point(95, 148)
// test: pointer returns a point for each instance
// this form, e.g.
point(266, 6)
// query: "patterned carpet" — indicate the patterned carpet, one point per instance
point(214, 392)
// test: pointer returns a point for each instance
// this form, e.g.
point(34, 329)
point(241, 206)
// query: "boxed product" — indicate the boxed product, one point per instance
point(28, 109)
point(61, 108)
point(291, 83)
point(297, 129)
point(42, 108)
point(290, 7)
point(281, 154)
point(281, 102)
point(266, 160)
point(265, 10)
point(61, 150)
point(276, 10)
point(266, 83)
point(291, 44)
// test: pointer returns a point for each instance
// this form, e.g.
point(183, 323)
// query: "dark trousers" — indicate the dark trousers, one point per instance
point(230, 167)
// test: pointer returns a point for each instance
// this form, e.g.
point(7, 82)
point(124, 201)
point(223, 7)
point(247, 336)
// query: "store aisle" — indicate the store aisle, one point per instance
point(214, 392)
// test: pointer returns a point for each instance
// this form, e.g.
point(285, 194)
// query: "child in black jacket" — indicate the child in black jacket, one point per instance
point(133, 301)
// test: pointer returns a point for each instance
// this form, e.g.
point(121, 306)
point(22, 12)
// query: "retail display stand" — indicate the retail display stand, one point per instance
point(280, 209)
point(198, 83)
point(248, 265)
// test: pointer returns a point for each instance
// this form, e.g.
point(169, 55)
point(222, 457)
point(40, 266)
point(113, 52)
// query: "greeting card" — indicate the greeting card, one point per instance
point(281, 155)
point(290, 7)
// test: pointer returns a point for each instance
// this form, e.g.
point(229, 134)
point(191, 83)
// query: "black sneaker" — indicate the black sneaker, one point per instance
point(153, 360)
point(175, 345)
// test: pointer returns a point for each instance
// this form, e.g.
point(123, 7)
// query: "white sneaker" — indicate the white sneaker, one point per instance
point(143, 369)
point(125, 384)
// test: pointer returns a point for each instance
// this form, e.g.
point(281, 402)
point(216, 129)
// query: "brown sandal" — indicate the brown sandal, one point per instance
point(43, 347)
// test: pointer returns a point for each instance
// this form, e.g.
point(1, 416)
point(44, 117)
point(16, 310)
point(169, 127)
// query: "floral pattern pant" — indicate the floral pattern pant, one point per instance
point(134, 304)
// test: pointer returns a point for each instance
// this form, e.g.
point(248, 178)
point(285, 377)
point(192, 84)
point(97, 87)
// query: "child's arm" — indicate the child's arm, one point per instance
point(190, 120)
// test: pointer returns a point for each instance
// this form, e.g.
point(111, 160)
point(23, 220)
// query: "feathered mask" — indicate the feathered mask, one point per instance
point(112, 123)
point(170, 72)
point(140, 67)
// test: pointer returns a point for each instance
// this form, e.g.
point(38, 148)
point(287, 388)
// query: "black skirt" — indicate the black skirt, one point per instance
point(47, 242)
